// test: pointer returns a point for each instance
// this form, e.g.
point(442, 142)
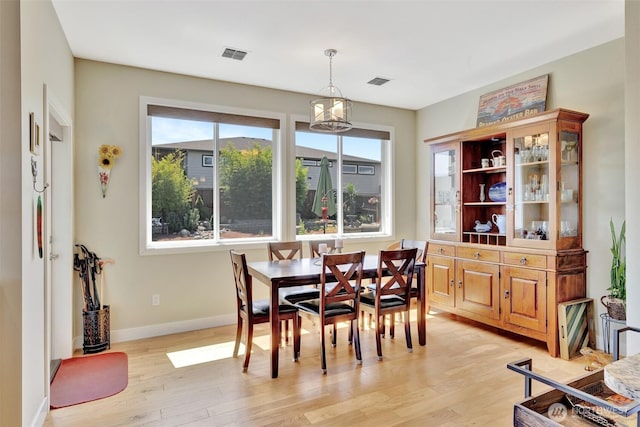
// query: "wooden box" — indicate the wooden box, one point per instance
point(575, 327)
point(546, 409)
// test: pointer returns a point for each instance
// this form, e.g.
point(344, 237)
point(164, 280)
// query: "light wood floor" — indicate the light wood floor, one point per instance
point(458, 379)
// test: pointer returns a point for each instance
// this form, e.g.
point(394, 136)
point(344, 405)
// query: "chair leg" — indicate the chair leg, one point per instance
point(323, 356)
point(407, 331)
point(296, 337)
point(335, 334)
point(356, 341)
point(392, 325)
point(351, 332)
point(380, 320)
point(238, 337)
point(286, 331)
point(248, 347)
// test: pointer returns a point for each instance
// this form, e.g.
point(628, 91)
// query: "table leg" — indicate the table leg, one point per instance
point(422, 304)
point(275, 328)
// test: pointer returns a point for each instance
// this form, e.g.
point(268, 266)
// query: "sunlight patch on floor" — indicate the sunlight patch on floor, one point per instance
point(208, 353)
point(211, 353)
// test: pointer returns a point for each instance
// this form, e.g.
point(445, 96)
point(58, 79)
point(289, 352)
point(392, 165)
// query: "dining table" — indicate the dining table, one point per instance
point(307, 271)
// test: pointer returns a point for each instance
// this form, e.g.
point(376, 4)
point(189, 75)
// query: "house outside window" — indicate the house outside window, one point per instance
point(362, 174)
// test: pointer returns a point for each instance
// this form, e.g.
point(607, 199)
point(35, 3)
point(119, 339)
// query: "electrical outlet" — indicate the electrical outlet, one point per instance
point(155, 299)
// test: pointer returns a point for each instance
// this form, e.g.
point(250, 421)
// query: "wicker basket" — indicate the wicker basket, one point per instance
point(615, 307)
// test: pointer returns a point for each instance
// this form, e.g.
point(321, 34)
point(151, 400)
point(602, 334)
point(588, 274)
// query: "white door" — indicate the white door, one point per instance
point(58, 229)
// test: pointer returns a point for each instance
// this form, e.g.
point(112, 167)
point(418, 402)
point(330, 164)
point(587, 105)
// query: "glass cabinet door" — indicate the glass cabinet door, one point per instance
point(532, 191)
point(569, 184)
point(446, 195)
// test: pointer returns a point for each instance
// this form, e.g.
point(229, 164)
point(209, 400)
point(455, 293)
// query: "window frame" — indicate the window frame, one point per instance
point(149, 247)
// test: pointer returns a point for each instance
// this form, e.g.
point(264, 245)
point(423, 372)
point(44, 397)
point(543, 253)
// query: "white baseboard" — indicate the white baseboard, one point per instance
point(39, 417)
point(157, 330)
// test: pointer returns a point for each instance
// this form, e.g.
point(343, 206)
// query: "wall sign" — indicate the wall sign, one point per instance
point(513, 102)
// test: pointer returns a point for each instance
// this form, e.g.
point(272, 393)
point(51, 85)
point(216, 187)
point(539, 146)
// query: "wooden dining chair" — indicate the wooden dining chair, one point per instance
point(255, 312)
point(282, 251)
point(392, 291)
point(421, 256)
point(288, 251)
point(314, 244)
point(340, 301)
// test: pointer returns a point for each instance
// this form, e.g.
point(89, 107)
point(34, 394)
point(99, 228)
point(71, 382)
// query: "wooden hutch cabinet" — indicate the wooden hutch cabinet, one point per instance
point(506, 223)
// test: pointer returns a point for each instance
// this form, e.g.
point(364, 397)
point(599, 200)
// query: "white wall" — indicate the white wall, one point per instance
point(10, 215)
point(46, 59)
point(196, 289)
point(591, 81)
point(632, 171)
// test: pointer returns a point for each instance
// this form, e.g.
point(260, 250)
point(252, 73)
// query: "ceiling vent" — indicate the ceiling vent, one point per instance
point(234, 54)
point(378, 81)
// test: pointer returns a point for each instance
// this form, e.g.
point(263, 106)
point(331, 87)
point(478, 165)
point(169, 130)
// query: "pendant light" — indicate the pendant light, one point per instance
point(332, 112)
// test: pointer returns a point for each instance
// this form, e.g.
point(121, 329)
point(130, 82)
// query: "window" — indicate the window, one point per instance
point(366, 170)
point(349, 168)
point(362, 203)
point(207, 161)
point(208, 176)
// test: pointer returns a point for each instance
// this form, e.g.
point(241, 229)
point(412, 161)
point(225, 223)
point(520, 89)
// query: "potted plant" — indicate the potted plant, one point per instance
point(615, 301)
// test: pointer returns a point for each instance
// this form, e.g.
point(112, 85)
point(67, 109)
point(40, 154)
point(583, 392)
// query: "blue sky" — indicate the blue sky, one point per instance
point(166, 130)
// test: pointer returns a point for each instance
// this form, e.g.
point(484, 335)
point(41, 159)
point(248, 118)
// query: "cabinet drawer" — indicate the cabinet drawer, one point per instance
point(479, 254)
point(443, 250)
point(524, 259)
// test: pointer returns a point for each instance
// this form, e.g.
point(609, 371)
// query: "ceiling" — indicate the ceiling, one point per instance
point(430, 50)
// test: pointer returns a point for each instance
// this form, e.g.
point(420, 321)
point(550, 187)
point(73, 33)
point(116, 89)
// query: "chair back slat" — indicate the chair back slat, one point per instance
point(243, 281)
point(284, 250)
point(344, 274)
point(400, 265)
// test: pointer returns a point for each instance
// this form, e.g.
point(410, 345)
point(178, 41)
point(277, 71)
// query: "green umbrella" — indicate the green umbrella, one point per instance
point(324, 189)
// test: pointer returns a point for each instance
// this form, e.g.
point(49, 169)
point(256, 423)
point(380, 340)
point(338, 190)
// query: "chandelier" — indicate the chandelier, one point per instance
point(332, 112)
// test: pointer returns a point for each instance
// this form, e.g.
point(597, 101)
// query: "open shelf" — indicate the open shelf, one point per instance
point(485, 238)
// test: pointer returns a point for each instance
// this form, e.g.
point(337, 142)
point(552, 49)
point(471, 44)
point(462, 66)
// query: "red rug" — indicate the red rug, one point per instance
point(83, 379)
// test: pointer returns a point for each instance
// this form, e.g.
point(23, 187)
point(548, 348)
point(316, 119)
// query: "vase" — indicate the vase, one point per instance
point(482, 192)
point(104, 173)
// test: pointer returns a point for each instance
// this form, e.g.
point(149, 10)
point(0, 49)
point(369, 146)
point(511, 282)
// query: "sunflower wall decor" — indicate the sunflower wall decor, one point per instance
point(108, 155)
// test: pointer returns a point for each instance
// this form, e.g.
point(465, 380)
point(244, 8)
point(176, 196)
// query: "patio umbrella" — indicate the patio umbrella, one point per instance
point(324, 190)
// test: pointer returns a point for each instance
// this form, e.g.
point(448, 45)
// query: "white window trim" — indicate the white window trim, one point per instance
point(145, 243)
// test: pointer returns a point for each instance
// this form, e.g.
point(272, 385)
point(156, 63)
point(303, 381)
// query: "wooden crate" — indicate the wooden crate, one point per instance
point(575, 327)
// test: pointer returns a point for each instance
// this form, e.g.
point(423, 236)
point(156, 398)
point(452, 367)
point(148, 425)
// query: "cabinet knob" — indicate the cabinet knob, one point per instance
point(476, 255)
point(441, 251)
point(460, 284)
point(506, 294)
point(452, 282)
point(523, 260)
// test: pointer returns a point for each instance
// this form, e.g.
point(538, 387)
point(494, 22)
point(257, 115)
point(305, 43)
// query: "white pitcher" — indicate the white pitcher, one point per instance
point(501, 222)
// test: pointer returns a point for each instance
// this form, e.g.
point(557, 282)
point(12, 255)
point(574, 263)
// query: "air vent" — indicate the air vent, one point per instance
point(234, 54)
point(378, 81)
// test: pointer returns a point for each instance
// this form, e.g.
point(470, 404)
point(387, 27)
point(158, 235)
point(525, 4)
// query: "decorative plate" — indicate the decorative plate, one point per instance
point(498, 192)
